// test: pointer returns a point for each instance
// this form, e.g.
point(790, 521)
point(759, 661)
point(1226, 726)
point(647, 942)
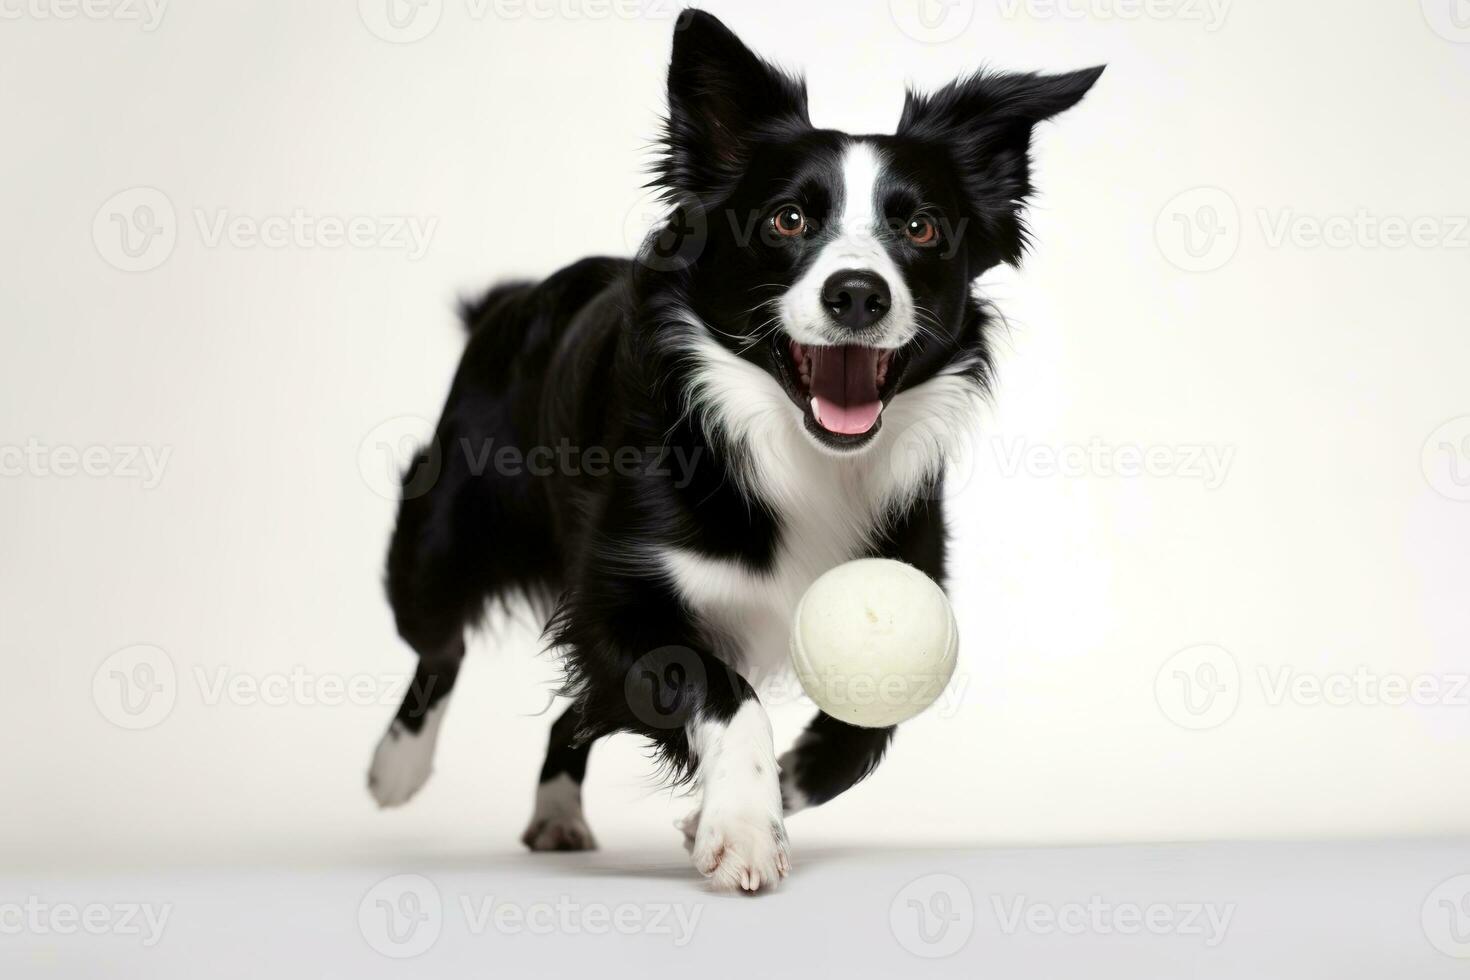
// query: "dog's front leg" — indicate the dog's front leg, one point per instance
point(704, 718)
point(737, 837)
point(829, 758)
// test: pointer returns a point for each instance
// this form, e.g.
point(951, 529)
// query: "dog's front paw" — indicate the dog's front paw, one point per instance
point(740, 851)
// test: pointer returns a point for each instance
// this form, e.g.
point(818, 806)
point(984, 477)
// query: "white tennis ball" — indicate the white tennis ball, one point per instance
point(874, 642)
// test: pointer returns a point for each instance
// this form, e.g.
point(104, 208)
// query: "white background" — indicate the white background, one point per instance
point(1335, 540)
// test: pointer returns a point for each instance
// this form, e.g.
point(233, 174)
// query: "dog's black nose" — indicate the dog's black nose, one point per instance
point(856, 298)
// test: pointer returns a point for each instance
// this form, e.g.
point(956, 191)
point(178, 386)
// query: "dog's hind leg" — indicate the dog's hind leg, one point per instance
point(433, 599)
point(557, 823)
point(465, 535)
point(404, 758)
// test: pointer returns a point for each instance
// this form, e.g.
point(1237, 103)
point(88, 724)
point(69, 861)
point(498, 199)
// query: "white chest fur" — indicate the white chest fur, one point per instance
point(750, 611)
point(832, 508)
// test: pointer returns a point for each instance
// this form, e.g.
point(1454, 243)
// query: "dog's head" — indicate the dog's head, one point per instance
point(842, 265)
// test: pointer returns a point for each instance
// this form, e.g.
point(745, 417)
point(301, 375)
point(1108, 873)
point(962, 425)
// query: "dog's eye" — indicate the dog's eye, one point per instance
point(788, 221)
point(921, 230)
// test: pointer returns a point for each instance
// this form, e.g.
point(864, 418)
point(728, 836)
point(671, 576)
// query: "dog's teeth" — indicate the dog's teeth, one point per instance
point(883, 361)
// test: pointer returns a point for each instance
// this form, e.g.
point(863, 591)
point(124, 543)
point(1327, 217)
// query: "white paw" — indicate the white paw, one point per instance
point(558, 824)
point(741, 851)
point(404, 760)
point(567, 833)
point(738, 839)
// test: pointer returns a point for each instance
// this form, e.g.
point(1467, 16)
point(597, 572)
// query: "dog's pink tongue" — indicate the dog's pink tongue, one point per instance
point(845, 389)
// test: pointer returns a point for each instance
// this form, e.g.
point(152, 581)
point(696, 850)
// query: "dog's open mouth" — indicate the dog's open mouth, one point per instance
point(842, 387)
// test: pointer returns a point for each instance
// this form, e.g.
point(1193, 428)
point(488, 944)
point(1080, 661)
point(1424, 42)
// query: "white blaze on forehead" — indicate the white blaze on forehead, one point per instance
point(858, 244)
point(861, 167)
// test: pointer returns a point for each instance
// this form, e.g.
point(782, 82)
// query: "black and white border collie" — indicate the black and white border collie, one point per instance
point(770, 389)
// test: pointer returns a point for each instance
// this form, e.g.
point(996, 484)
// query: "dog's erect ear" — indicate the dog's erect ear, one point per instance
point(721, 96)
point(985, 122)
